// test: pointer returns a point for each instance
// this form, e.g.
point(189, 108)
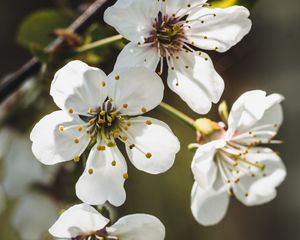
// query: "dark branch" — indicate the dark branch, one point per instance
point(32, 67)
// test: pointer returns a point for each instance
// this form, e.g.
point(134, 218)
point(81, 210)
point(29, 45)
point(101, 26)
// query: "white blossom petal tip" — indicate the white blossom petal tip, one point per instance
point(209, 206)
point(155, 150)
point(56, 138)
point(104, 177)
point(77, 87)
point(138, 227)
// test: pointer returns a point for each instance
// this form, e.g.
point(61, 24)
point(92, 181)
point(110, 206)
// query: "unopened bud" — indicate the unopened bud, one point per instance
point(206, 127)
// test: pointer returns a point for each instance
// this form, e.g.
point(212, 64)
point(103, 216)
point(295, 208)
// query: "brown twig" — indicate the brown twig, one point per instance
point(15, 80)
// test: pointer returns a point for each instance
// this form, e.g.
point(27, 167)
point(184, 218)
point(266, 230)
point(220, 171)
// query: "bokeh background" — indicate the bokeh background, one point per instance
point(268, 59)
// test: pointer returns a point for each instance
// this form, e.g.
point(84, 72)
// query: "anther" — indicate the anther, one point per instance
point(76, 140)
point(148, 155)
point(79, 129)
point(131, 146)
point(111, 144)
point(70, 110)
point(148, 122)
point(103, 84)
point(90, 171)
point(144, 109)
point(109, 119)
point(101, 148)
point(76, 159)
point(100, 121)
point(125, 176)
point(61, 128)
point(113, 163)
point(117, 77)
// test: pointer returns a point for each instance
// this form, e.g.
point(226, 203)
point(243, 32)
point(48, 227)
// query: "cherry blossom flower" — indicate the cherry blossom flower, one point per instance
point(98, 110)
point(83, 222)
point(233, 162)
point(173, 31)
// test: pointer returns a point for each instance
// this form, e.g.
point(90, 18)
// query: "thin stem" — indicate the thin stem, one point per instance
point(98, 44)
point(177, 114)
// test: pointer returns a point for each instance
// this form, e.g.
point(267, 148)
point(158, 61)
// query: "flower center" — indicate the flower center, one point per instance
point(233, 162)
point(104, 121)
point(167, 34)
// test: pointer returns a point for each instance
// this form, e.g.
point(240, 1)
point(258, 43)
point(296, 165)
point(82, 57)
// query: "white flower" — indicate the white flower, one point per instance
point(172, 31)
point(233, 164)
point(84, 222)
point(102, 109)
point(33, 215)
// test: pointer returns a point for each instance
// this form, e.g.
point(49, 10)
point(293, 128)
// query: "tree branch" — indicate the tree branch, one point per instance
point(15, 80)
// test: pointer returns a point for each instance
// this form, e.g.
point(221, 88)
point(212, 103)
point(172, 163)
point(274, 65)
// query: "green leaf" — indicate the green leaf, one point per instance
point(39, 52)
point(37, 28)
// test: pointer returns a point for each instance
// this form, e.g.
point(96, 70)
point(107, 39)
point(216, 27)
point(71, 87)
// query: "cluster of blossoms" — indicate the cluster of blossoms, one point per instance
point(98, 112)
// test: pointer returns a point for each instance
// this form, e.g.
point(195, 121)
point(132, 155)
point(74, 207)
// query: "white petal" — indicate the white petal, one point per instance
point(138, 227)
point(203, 165)
point(79, 87)
point(106, 183)
point(133, 19)
point(254, 111)
point(77, 220)
point(195, 80)
point(139, 88)
point(157, 140)
point(220, 31)
point(209, 206)
point(133, 55)
point(182, 7)
point(51, 146)
point(261, 189)
point(21, 169)
point(33, 215)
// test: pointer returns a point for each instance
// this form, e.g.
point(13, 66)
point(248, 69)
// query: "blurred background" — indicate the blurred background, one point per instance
point(267, 59)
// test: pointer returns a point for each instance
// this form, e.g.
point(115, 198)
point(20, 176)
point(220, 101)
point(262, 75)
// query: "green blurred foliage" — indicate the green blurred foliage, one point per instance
point(37, 27)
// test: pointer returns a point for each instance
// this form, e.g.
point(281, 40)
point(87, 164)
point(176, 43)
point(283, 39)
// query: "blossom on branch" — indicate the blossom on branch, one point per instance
point(173, 31)
point(231, 161)
point(97, 110)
